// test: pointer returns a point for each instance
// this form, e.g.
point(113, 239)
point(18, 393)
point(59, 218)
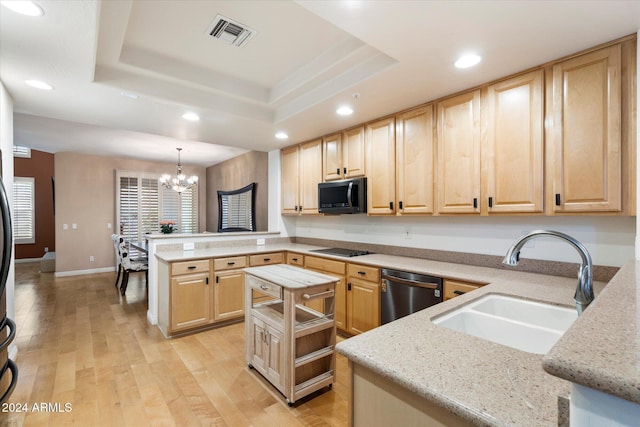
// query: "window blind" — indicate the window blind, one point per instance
point(143, 203)
point(24, 210)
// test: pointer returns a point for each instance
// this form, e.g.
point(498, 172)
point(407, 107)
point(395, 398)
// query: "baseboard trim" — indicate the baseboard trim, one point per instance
point(82, 272)
point(27, 260)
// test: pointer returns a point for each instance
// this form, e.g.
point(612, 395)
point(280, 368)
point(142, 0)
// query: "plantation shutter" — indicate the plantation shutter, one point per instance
point(189, 210)
point(149, 219)
point(24, 210)
point(143, 203)
point(181, 208)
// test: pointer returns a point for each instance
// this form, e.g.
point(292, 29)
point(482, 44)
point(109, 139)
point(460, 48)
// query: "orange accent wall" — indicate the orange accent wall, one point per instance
point(41, 167)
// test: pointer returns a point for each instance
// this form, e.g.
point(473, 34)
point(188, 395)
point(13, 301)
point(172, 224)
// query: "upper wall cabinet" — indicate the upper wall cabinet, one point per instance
point(585, 139)
point(301, 173)
point(381, 171)
point(343, 155)
point(415, 161)
point(458, 146)
point(289, 159)
point(513, 149)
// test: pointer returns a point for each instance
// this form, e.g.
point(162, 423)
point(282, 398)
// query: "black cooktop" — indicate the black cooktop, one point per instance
point(342, 252)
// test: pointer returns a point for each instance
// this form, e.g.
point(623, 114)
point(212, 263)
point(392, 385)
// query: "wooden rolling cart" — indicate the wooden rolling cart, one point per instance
point(287, 341)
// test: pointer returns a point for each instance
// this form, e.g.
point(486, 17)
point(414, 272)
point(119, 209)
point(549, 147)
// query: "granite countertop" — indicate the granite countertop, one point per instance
point(483, 382)
point(602, 351)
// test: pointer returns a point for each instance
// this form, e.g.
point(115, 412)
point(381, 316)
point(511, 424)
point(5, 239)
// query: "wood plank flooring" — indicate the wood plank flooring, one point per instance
point(82, 344)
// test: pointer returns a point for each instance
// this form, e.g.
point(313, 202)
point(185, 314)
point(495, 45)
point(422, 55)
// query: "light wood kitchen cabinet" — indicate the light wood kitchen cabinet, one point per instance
point(289, 158)
point(513, 145)
point(415, 161)
point(344, 155)
point(228, 295)
point(266, 259)
point(585, 140)
point(458, 147)
point(363, 298)
point(294, 258)
point(190, 295)
point(381, 167)
point(454, 288)
point(301, 172)
point(336, 269)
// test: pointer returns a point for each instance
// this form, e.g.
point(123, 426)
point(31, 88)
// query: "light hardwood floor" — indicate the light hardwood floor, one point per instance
point(81, 343)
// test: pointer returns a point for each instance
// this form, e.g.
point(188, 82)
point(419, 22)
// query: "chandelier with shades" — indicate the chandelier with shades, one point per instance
point(180, 182)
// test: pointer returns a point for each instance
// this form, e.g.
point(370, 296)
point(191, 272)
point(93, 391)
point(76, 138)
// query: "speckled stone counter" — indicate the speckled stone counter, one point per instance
point(480, 381)
point(602, 349)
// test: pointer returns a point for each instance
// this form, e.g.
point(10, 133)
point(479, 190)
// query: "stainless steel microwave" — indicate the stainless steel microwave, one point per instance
point(348, 196)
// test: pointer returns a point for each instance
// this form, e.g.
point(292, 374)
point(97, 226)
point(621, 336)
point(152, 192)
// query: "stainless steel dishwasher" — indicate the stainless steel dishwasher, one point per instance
point(403, 293)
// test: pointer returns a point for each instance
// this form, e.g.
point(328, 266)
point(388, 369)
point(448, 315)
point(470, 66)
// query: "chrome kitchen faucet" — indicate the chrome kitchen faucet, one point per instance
point(584, 290)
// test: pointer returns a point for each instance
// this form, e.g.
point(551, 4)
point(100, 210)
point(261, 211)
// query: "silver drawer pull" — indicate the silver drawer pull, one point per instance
point(318, 295)
point(264, 287)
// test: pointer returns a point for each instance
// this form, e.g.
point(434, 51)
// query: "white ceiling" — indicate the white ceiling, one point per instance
point(307, 58)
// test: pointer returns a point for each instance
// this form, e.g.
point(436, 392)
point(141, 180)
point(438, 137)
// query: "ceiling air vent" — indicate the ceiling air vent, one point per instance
point(230, 31)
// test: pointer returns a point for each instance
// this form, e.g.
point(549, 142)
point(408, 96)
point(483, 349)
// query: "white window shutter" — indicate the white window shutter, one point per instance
point(24, 210)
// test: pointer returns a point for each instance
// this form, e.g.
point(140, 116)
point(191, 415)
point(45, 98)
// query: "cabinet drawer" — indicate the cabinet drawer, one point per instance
point(186, 267)
point(264, 287)
point(364, 272)
point(295, 259)
point(454, 288)
point(326, 265)
point(266, 259)
point(229, 263)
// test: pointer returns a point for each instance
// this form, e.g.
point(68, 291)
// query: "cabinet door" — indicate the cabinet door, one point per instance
point(381, 171)
point(275, 361)
point(586, 137)
point(363, 300)
point(353, 153)
point(340, 313)
point(513, 148)
point(190, 301)
point(289, 168)
point(228, 298)
point(332, 157)
point(310, 175)
point(458, 145)
point(259, 352)
point(414, 150)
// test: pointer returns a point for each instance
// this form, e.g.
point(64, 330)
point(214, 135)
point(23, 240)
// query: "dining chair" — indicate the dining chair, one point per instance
point(130, 265)
point(116, 240)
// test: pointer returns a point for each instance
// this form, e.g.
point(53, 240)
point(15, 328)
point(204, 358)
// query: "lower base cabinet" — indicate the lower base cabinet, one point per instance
point(454, 288)
point(376, 401)
point(192, 297)
point(228, 298)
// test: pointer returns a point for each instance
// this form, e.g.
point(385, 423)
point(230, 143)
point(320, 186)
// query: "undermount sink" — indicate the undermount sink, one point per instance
point(525, 325)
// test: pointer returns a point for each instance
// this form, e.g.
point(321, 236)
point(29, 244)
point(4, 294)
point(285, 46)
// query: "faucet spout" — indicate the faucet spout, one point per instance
point(584, 290)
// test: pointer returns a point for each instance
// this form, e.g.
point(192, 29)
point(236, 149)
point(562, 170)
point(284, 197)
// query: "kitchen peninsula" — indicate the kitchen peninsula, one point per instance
point(458, 375)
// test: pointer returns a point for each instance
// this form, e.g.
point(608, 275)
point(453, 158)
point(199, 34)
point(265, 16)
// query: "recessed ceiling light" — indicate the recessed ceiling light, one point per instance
point(467, 61)
point(192, 117)
point(344, 110)
point(282, 135)
point(39, 84)
point(27, 8)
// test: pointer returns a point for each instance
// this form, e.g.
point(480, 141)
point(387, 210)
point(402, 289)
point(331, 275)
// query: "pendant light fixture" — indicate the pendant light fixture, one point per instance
point(180, 182)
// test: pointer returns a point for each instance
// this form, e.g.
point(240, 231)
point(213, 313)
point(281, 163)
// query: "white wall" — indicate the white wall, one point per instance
point(610, 240)
point(6, 146)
